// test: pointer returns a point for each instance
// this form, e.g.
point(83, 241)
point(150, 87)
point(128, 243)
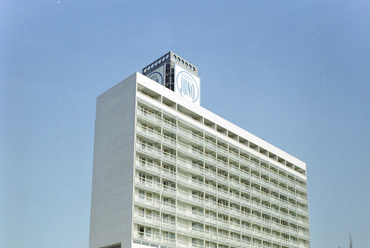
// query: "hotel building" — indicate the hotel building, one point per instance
point(169, 173)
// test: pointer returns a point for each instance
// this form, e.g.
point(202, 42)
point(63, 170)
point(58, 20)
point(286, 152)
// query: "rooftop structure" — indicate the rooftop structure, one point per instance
point(169, 173)
point(176, 74)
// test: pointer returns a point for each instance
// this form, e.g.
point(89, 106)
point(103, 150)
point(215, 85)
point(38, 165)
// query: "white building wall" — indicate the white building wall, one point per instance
point(112, 186)
point(123, 138)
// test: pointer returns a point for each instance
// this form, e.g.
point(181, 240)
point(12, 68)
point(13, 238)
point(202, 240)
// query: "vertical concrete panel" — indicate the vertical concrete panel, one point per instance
point(112, 186)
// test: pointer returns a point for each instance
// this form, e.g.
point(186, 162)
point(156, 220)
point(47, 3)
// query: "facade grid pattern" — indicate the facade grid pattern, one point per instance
point(195, 188)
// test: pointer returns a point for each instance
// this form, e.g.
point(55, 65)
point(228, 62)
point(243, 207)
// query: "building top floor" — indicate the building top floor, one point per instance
point(201, 118)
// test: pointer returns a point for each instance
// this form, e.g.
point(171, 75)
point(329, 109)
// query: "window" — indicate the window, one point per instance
point(141, 194)
point(197, 210)
point(169, 168)
point(142, 177)
point(223, 203)
point(169, 219)
point(235, 221)
point(141, 231)
point(169, 236)
point(169, 202)
point(169, 185)
point(197, 242)
point(149, 196)
point(246, 224)
point(224, 233)
point(234, 236)
point(211, 230)
point(197, 195)
point(148, 231)
point(223, 218)
point(211, 244)
point(197, 226)
point(141, 212)
point(246, 238)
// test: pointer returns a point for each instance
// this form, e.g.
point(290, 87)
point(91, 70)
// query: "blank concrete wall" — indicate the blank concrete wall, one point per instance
point(114, 148)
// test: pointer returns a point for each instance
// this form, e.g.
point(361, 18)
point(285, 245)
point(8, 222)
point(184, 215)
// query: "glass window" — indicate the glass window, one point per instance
point(141, 194)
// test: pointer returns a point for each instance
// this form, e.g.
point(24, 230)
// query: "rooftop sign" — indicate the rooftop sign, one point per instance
point(176, 74)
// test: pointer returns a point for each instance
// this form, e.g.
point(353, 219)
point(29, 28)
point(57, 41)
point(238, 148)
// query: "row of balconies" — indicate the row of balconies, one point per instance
point(177, 145)
point(225, 181)
point(211, 220)
point(237, 198)
point(217, 192)
point(154, 238)
point(193, 137)
point(172, 159)
point(244, 235)
point(191, 168)
point(220, 208)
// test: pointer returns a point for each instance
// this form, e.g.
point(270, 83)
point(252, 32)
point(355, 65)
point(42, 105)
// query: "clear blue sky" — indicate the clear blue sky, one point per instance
point(295, 73)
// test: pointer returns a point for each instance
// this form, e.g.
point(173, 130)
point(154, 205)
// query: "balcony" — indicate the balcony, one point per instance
point(249, 163)
point(146, 220)
point(183, 196)
point(212, 236)
point(168, 207)
point(235, 227)
point(149, 167)
point(147, 202)
point(149, 116)
point(148, 237)
point(210, 174)
point(222, 150)
point(234, 155)
point(222, 164)
point(189, 150)
point(168, 191)
point(210, 159)
point(210, 220)
point(210, 144)
point(199, 139)
point(147, 184)
point(168, 174)
point(167, 224)
point(189, 135)
point(146, 132)
point(184, 164)
point(150, 150)
point(302, 199)
point(234, 170)
point(303, 223)
point(169, 142)
point(302, 211)
point(184, 133)
point(168, 241)
point(190, 214)
point(182, 244)
point(169, 157)
point(169, 126)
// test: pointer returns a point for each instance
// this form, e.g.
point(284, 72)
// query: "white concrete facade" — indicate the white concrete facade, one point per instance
point(169, 173)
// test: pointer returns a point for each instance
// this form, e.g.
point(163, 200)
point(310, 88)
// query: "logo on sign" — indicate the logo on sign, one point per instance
point(187, 86)
point(156, 76)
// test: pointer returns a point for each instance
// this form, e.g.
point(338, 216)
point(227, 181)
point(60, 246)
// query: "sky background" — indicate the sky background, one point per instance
point(294, 73)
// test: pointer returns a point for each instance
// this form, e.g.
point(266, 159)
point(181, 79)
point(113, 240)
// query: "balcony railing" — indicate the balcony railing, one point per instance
point(189, 214)
point(221, 193)
point(194, 137)
point(187, 181)
point(254, 178)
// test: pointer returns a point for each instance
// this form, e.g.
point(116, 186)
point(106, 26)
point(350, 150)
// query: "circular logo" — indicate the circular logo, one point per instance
point(156, 76)
point(187, 86)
